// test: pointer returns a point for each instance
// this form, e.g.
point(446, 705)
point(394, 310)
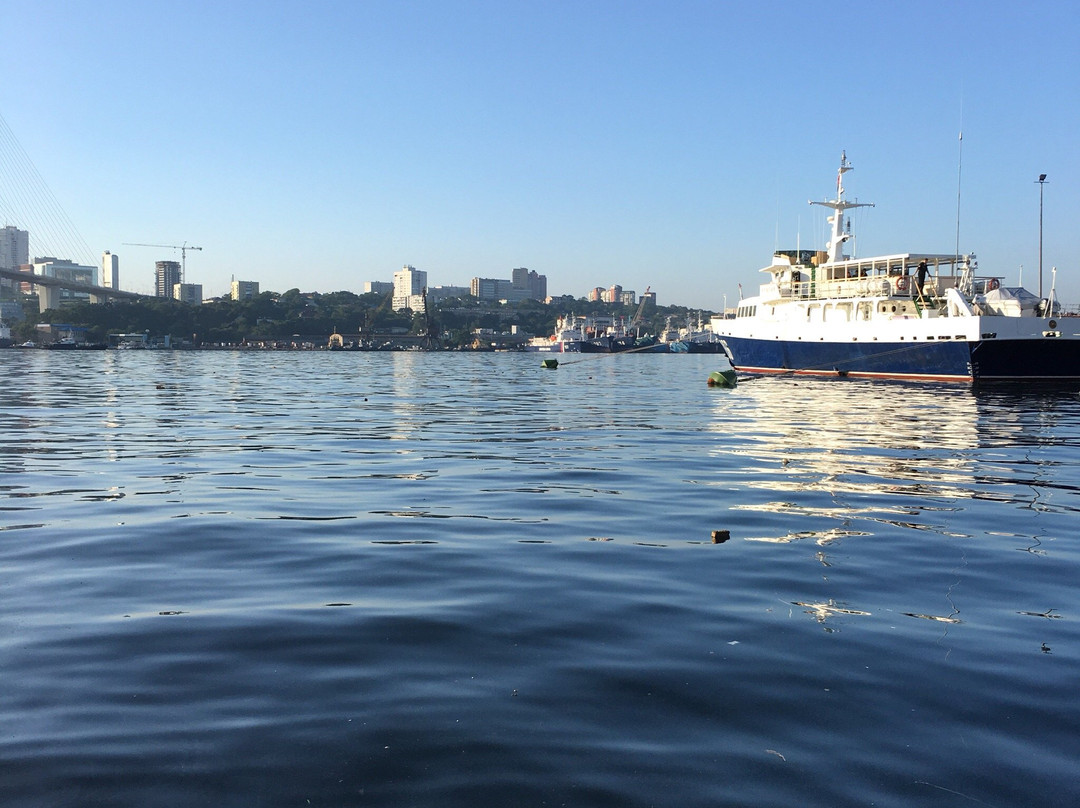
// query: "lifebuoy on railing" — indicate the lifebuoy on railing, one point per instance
point(902, 283)
point(992, 284)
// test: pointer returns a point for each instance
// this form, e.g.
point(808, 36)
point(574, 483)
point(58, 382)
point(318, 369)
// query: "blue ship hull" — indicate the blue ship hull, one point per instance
point(985, 360)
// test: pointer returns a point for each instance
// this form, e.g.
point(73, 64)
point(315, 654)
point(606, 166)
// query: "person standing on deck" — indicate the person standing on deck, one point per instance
point(920, 276)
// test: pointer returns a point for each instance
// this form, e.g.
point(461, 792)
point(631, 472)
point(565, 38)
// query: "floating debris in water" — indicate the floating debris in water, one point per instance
point(1047, 614)
point(822, 611)
point(935, 617)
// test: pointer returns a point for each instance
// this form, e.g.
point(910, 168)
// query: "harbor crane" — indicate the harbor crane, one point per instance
point(183, 248)
point(640, 309)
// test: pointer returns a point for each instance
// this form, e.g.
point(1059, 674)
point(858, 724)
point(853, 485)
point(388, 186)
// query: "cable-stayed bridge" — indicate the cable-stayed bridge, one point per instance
point(27, 203)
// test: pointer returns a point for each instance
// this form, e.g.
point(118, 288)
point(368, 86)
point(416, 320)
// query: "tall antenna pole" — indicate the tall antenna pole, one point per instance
point(1042, 182)
point(959, 170)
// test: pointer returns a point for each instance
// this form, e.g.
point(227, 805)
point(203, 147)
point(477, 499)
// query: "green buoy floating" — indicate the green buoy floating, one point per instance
point(551, 364)
point(722, 378)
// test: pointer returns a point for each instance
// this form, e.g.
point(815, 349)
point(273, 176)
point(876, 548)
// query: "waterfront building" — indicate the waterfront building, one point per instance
point(244, 290)
point(110, 270)
point(378, 287)
point(11, 311)
point(66, 270)
point(166, 276)
point(409, 285)
point(188, 293)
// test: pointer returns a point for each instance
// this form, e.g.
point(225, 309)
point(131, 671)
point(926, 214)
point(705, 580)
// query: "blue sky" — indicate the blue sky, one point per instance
point(670, 145)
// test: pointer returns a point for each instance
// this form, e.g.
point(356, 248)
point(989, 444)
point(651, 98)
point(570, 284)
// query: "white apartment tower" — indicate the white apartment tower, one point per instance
point(110, 270)
point(188, 293)
point(409, 285)
point(244, 290)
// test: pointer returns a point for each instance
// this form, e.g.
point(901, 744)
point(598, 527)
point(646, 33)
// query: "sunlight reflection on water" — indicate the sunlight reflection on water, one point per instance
point(459, 579)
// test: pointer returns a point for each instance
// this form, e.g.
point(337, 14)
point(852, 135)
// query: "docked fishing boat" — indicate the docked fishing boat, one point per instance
point(906, 316)
point(699, 339)
point(621, 342)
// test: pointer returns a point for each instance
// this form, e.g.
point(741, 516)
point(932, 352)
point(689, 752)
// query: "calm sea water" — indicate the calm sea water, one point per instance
point(285, 579)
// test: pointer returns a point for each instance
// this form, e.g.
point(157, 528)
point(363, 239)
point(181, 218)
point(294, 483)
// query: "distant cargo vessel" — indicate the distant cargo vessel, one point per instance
point(906, 316)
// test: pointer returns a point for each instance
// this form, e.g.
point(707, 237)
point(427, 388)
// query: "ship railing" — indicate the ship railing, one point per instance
point(899, 286)
point(893, 276)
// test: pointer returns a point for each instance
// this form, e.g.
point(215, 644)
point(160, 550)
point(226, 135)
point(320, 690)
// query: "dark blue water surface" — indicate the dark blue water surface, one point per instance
point(408, 579)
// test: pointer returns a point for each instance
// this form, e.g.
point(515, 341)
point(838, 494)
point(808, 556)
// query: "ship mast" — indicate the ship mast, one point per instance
point(835, 247)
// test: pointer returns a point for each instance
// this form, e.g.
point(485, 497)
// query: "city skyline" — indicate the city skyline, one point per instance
point(672, 147)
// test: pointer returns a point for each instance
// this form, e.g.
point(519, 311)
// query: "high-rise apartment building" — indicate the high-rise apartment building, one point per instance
point(14, 247)
point(528, 285)
point(110, 270)
point(409, 285)
point(166, 276)
point(244, 290)
point(14, 251)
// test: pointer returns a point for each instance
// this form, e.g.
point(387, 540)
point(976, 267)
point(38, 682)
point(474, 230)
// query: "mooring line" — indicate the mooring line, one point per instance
point(601, 355)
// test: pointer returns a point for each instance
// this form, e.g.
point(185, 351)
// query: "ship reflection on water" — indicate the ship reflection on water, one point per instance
point(902, 466)
point(867, 453)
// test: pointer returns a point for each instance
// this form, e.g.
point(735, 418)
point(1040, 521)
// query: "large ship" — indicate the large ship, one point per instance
point(921, 316)
point(568, 336)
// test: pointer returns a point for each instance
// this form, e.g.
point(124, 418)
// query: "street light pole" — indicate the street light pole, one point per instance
point(1042, 182)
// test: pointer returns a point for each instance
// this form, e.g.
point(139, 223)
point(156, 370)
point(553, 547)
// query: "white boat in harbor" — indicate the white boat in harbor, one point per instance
point(568, 336)
point(904, 316)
